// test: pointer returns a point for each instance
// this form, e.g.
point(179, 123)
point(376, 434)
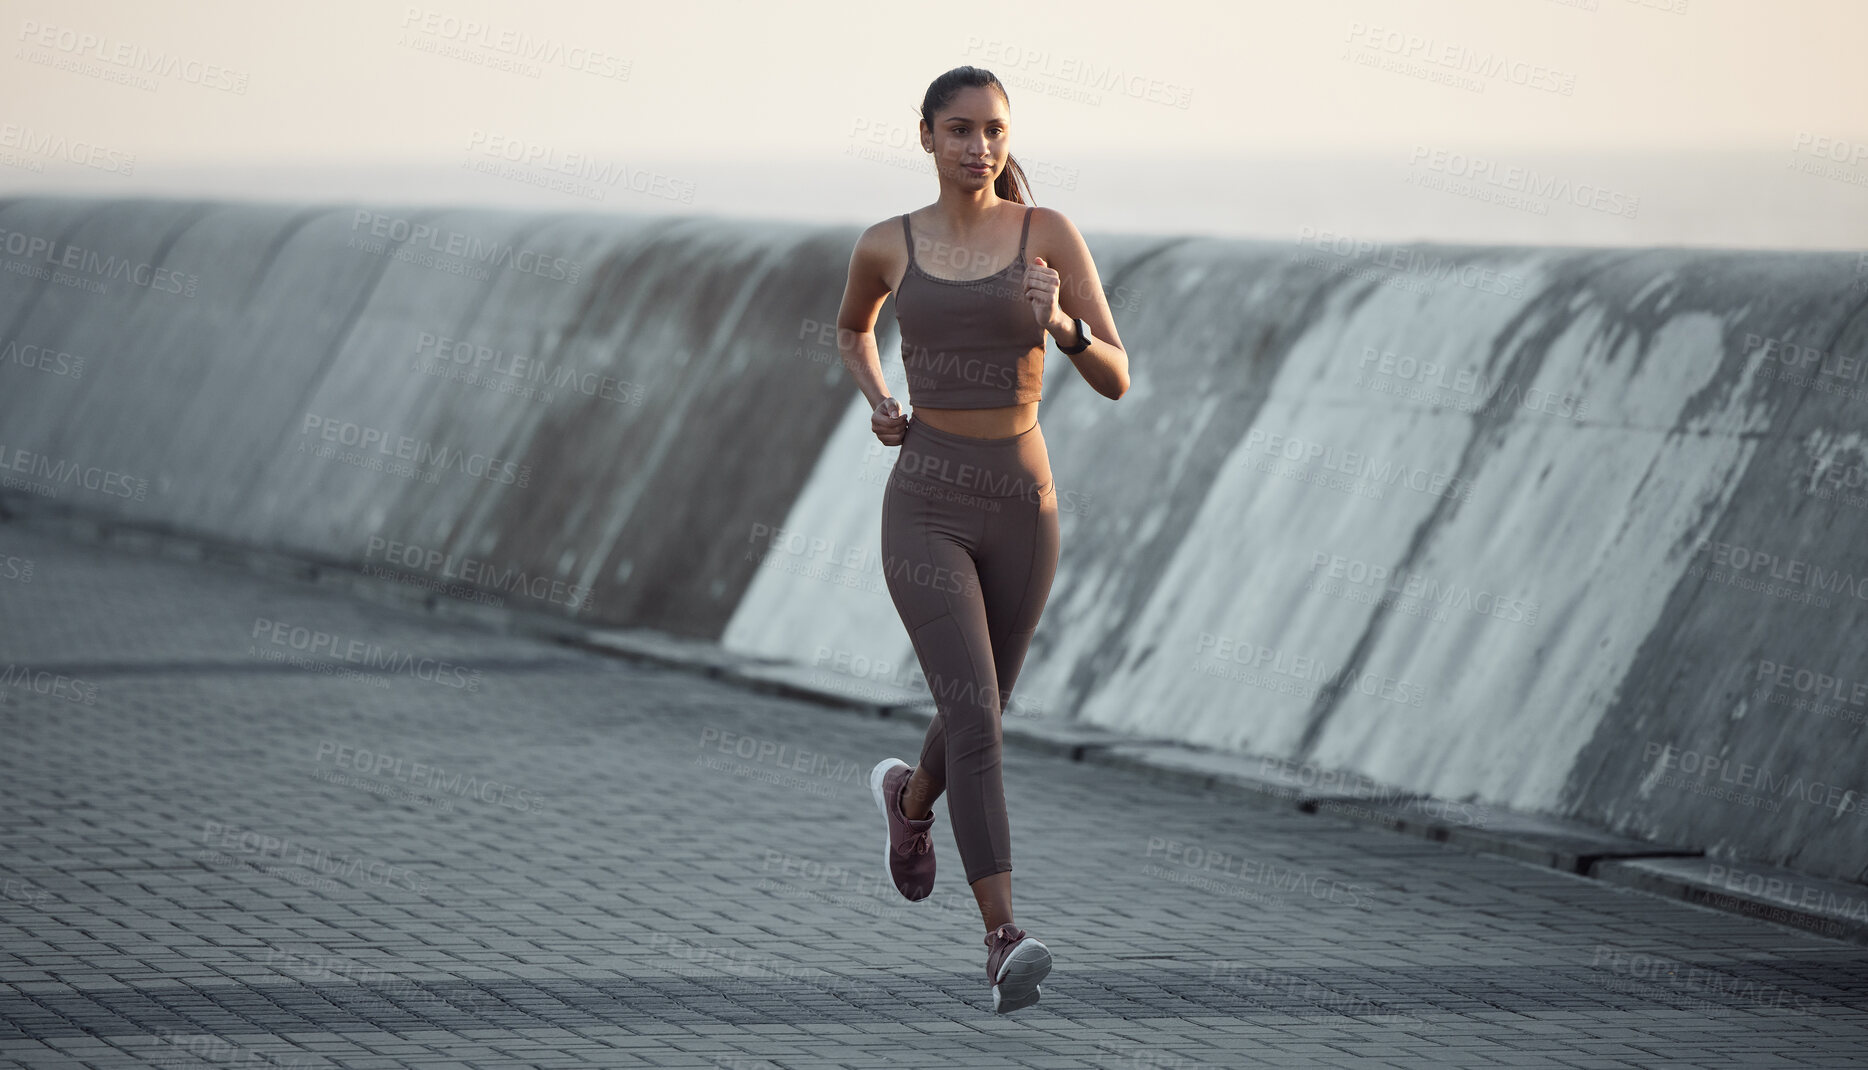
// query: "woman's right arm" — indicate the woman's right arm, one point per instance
point(863, 294)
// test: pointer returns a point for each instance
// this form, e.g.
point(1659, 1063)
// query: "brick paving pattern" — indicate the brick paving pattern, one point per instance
point(251, 822)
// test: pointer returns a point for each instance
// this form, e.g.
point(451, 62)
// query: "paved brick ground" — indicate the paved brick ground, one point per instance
point(542, 857)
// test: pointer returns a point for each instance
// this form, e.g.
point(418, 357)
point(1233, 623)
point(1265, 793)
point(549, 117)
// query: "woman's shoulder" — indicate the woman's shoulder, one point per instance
point(881, 239)
point(887, 231)
point(1052, 220)
point(882, 251)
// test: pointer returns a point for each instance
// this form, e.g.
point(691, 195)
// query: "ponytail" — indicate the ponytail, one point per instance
point(1009, 180)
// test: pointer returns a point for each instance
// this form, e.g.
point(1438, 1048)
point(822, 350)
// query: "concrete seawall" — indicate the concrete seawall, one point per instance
point(1567, 530)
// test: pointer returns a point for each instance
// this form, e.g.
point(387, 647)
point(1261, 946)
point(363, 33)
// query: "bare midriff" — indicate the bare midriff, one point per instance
point(1002, 422)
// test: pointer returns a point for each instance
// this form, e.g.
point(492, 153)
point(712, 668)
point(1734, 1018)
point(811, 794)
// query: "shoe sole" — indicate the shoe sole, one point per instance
point(876, 777)
point(1027, 964)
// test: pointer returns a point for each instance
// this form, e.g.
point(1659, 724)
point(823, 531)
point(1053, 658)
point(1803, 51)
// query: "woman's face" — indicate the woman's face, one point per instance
point(971, 137)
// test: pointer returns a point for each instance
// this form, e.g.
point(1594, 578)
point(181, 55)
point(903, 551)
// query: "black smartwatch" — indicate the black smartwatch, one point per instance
point(1083, 340)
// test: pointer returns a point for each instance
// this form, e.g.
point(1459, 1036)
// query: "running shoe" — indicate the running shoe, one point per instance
point(909, 849)
point(1015, 963)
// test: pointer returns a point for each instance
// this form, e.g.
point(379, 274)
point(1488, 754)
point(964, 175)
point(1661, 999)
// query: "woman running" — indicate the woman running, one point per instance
point(969, 515)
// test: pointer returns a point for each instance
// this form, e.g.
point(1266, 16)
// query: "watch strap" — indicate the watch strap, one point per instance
point(1082, 342)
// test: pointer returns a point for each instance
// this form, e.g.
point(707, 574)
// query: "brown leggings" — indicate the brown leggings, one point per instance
point(969, 549)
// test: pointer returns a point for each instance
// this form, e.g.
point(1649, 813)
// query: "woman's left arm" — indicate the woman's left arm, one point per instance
point(1075, 291)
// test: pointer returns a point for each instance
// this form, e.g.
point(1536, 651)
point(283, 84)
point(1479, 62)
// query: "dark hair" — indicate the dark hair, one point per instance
point(942, 89)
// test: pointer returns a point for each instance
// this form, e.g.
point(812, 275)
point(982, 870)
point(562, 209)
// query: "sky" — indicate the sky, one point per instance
point(1604, 122)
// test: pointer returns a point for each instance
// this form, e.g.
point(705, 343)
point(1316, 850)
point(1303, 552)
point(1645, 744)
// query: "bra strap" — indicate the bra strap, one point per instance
point(1021, 235)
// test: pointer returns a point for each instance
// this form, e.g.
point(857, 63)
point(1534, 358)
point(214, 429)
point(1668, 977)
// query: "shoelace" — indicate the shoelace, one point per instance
point(917, 844)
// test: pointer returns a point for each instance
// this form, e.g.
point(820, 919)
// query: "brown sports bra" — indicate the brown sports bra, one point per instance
point(969, 343)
